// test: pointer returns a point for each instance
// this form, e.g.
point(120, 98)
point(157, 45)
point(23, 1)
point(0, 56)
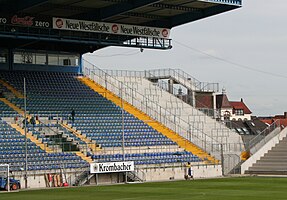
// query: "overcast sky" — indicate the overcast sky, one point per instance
point(254, 37)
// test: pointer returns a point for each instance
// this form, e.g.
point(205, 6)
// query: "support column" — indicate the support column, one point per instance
point(10, 59)
point(170, 86)
point(191, 97)
point(214, 104)
point(80, 70)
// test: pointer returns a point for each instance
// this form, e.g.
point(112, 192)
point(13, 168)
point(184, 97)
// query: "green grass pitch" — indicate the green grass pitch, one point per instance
point(245, 188)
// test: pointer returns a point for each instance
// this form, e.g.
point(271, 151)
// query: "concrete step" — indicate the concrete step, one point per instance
point(270, 164)
point(275, 153)
point(281, 147)
point(279, 159)
point(269, 167)
point(274, 156)
point(266, 172)
point(272, 161)
point(278, 150)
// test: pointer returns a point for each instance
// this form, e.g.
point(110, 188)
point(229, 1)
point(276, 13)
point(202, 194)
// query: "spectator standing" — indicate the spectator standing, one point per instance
point(73, 113)
point(33, 121)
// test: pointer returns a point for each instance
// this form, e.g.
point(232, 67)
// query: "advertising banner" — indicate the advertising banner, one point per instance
point(26, 20)
point(97, 168)
point(109, 28)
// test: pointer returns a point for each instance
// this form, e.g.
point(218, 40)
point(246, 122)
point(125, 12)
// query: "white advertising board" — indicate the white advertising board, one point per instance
point(97, 168)
point(109, 28)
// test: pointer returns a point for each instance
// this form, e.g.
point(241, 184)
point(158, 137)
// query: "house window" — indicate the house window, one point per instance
point(226, 115)
point(239, 112)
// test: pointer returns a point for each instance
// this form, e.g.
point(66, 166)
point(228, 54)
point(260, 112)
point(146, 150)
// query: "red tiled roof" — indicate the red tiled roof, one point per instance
point(239, 105)
point(283, 122)
point(267, 121)
point(222, 101)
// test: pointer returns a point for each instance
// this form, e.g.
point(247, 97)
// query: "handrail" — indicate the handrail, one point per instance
point(178, 74)
point(228, 147)
point(186, 79)
point(150, 107)
point(144, 74)
point(214, 112)
point(262, 136)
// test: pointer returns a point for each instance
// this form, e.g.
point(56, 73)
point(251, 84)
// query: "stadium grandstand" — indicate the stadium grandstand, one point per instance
point(65, 121)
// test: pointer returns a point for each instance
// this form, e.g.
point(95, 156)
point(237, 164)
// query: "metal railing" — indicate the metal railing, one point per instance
point(185, 79)
point(263, 138)
point(152, 109)
point(213, 113)
point(182, 77)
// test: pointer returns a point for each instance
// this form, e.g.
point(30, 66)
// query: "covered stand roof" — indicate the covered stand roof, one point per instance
point(152, 13)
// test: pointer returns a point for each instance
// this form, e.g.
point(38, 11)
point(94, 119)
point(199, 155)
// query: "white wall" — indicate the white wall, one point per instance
point(242, 117)
point(208, 171)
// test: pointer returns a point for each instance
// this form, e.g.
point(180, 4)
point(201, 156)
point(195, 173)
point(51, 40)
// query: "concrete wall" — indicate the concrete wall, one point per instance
point(36, 179)
point(165, 174)
point(103, 179)
point(148, 175)
point(46, 68)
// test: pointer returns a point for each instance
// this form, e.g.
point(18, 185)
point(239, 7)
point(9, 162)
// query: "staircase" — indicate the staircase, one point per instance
point(64, 142)
point(32, 138)
point(274, 162)
point(92, 146)
point(185, 79)
point(13, 106)
point(134, 177)
point(89, 143)
point(84, 157)
point(83, 178)
point(12, 89)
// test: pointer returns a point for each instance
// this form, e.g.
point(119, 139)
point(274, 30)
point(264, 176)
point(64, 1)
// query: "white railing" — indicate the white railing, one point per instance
point(265, 136)
point(182, 77)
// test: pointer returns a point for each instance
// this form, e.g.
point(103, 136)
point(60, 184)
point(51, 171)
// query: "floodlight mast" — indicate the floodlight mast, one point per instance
point(25, 129)
point(123, 127)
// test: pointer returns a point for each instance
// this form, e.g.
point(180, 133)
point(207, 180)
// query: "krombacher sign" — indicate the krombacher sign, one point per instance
point(97, 168)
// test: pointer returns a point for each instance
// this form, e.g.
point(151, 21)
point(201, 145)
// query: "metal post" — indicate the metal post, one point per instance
point(123, 125)
point(123, 128)
point(222, 159)
point(8, 179)
point(25, 129)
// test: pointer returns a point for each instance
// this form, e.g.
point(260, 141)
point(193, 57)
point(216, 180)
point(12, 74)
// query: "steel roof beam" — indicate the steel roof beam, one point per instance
point(192, 16)
point(121, 8)
point(142, 15)
point(116, 9)
point(174, 7)
point(19, 6)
